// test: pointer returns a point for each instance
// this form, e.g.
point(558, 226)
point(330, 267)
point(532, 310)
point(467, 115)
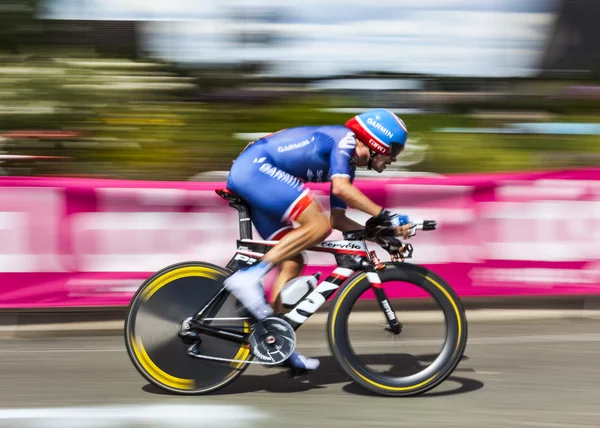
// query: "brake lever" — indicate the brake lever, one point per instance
point(405, 252)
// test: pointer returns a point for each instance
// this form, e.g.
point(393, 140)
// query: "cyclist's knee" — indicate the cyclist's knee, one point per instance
point(324, 230)
point(314, 217)
point(320, 230)
point(319, 226)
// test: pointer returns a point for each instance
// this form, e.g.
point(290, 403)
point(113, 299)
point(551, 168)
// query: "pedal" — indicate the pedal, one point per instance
point(272, 340)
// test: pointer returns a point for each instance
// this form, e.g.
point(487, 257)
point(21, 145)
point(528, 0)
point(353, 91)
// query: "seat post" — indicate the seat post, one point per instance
point(244, 220)
point(243, 210)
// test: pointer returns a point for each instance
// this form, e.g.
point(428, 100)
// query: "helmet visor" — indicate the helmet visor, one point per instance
point(396, 149)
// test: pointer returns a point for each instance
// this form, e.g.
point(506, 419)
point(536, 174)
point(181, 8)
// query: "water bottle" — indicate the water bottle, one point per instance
point(297, 289)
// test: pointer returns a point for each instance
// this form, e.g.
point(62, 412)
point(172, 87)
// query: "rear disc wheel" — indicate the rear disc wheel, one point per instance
point(154, 320)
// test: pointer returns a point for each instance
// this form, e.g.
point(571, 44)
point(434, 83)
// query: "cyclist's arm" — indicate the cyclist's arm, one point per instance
point(342, 188)
point(339, 221)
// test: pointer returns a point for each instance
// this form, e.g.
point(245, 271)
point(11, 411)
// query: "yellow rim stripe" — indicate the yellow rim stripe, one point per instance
point(453, 305)
point(154, 371)
point(392, 388)
point(176, 274)
point(141, 353)
point(335, 312)
point(244, 350)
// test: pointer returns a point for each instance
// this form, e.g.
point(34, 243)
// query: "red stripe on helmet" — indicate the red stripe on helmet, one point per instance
point(367, 137)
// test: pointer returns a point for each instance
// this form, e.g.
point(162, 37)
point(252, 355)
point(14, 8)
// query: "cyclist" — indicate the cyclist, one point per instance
point(269, 176)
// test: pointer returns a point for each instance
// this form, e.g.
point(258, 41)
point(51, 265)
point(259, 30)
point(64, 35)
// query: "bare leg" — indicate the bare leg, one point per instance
point(314, 229)
point(245, 284)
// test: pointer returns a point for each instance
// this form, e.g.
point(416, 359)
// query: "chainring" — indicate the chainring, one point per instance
point(272, 340)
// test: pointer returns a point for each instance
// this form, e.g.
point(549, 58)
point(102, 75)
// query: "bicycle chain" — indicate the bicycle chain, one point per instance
point(228, 360)
point(186, 324)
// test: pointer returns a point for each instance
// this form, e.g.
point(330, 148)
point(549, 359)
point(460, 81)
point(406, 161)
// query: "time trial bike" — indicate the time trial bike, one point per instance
point(185, 333)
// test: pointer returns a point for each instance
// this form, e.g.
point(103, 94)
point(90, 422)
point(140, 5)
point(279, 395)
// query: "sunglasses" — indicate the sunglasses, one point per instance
point(396, 149)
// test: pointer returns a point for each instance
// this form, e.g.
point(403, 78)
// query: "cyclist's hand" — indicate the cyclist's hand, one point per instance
point(387, 222)
point(391, 244)
point(406, 231)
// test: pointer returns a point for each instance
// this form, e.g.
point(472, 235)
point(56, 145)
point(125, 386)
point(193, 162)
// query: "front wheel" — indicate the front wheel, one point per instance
point(389, 372)
point(153, 322)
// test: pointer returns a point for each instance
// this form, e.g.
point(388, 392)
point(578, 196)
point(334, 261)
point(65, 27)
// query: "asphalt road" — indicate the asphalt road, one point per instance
point(536, 373)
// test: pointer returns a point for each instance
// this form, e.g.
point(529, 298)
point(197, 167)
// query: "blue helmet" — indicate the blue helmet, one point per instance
point(381, 130)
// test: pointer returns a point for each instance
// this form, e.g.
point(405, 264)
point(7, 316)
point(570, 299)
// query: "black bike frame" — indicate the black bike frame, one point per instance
point(351, 256)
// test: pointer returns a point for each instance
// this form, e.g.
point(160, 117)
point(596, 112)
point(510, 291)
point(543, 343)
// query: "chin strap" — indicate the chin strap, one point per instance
point(370, 161)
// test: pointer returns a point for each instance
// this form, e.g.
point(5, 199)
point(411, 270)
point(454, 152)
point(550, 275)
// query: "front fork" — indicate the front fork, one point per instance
point(394, 325)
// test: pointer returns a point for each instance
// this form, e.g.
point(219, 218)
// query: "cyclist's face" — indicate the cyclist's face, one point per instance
point(381, 162)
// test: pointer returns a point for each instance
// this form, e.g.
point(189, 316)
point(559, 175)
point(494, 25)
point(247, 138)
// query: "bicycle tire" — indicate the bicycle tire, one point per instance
point(425, 380)
point(152, 323)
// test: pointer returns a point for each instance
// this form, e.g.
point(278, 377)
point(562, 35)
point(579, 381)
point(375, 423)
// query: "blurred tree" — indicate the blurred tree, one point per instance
point(19, 28)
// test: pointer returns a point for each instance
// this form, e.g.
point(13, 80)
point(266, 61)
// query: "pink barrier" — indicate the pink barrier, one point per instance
point(80, 242)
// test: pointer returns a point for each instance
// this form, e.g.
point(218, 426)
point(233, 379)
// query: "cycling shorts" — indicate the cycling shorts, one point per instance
point(275, 197)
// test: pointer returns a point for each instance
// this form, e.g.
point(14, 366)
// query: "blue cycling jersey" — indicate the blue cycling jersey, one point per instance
point(269, 173)
point(312, 153)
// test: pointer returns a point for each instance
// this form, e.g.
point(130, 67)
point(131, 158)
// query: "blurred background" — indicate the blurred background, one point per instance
point(147, 89)
point(173, 90)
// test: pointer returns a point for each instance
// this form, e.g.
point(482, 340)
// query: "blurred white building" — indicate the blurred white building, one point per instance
point(315, 38)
